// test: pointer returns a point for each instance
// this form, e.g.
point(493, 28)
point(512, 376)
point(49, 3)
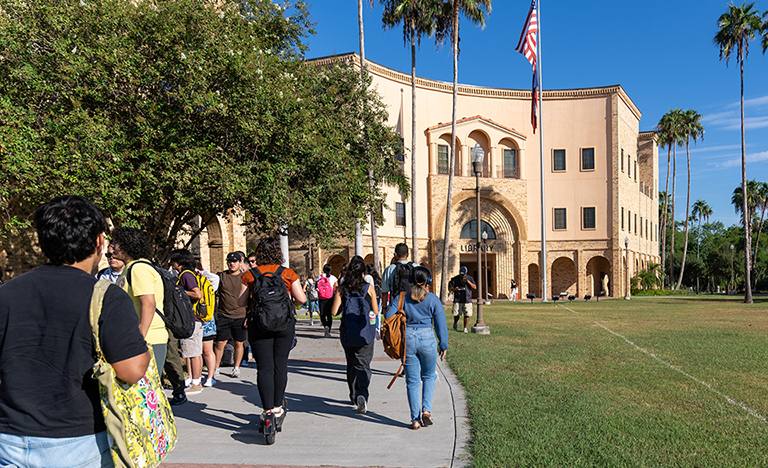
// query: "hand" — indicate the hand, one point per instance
point(442, 354)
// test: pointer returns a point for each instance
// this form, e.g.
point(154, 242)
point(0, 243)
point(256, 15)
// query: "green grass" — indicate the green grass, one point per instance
point(550, 387)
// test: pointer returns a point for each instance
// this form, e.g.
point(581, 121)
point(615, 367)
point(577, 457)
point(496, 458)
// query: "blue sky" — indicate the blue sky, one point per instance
point(660, 52)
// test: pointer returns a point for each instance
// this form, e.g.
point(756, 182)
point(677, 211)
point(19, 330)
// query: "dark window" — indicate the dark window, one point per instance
point(641, 226)
point(588, 217)
point(442, 159)
point(400, 156)
point(635, 223)
point(560, 222)
point(587, 159)
point(635, 170)
point(558, 161)
point(622, 160)
point(622, 219)
point(399, 214)
point(629, 221)
point(646, 228)
point(469, 231)
point(510, 164)
point(629, 165)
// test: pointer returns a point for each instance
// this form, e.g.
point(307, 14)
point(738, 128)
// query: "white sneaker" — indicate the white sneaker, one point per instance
point(217, 372)
point(235, 372)
point(362, 405)
point(465, 331)
point(188, 382)
point(209, 382)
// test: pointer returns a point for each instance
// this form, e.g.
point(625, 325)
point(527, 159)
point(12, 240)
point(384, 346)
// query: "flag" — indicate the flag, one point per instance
point(527, 47)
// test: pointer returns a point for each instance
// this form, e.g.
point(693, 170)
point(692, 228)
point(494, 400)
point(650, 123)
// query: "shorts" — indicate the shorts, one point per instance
point(193, 346)
point(227, 328)
point(460, 308)
point(209, 329)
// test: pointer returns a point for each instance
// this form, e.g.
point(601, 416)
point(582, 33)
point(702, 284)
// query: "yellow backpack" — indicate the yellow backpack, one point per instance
point(204, 307)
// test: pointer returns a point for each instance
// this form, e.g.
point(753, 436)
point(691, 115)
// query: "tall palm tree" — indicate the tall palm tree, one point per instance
point(475, 11)
point(736, 28)
point(668, 132)
point(761, 198)
point(690, 129)
point(700, 210)
point(417, 18)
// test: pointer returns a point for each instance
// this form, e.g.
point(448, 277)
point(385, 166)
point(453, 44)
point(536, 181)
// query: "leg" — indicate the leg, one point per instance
point(238, 352)
point(219, 351)
point(262, 345)
point(282, 348)
point(173, 368)
point(363, 357)
point(456, 314)
point(349, 353)
point(428, 359)
point(159, 351)
point(210, 359)
point(412, 369)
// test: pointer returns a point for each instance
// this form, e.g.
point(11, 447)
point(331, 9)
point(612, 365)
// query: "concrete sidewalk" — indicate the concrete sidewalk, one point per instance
point(219, 427)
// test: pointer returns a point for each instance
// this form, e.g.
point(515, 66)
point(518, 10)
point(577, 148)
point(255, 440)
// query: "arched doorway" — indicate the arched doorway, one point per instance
point(215, 245)
point(534, 280)
point(564, 277)
point(598, 276)
point(337, 262)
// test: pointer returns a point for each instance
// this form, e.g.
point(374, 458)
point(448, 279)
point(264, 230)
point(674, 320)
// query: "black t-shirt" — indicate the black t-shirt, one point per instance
point(47, 351)
point(464, 294)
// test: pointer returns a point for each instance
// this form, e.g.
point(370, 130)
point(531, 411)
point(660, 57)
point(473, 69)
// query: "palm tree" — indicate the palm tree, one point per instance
point(668, 132)
point(761, 199)
point(690, 129)
point(700, 210)
point(418, 18)
point(475, 11)
point(737, 27)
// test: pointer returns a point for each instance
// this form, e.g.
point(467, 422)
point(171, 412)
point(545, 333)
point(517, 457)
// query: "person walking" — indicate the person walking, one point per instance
point(357, 330)
point(313, 305)
point(423, 312)
point(326, 285)
point(271, 349)
point(230, 318)
point(462, 285)
point(183, 262)
point(513, 288)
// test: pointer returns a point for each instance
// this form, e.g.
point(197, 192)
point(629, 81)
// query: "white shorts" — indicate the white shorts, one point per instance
point(193, 346)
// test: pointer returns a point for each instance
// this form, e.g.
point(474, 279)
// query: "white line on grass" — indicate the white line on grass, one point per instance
point(710, 387)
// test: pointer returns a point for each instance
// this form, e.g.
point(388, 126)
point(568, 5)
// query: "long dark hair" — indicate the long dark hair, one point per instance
point(374, 274)
point(353, 278)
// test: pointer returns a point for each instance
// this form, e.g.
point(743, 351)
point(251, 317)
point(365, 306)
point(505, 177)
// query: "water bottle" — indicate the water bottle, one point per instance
point(371, 317)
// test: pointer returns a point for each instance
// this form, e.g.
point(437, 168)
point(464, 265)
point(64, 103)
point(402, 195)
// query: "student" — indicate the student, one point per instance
point(326, 285)
point(183, 262)
point(423, 310)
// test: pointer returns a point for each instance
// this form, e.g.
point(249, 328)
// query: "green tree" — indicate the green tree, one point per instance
point(690, 129)
point(668, 131)
point(700, 210)
point(649, 278)
point(736, 28)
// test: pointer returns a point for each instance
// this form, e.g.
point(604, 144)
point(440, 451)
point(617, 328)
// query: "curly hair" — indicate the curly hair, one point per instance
point(268, 252)
point(133, 242)
point(67, 228)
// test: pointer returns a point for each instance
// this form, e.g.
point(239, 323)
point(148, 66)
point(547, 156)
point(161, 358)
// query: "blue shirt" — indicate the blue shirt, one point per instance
point(424, 314)
point(389, 274)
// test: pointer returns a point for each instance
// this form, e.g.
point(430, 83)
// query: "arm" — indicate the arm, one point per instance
point(242, 298)
point(131, 370)
point(441, 327)
point(471, 284)
point(336, 303)
point(148, 307)
point(298, 293)
point(195, 295)
point(374, 302)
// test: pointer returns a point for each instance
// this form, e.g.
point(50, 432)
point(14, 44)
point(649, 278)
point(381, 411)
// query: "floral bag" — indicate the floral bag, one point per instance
point(140, 424)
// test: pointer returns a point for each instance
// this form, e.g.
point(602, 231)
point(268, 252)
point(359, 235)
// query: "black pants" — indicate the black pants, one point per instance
point(358, 369)
point(173, 367)
point(326, 318)
point(271, 350)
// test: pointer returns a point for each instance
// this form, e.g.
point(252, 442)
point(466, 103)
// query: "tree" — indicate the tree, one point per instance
point(690, 129)
point(649, 278)
point(475, 11)
point(418, 17)
point(761, 199)
point(700, 210)
point(736, 28)
point(669, 135)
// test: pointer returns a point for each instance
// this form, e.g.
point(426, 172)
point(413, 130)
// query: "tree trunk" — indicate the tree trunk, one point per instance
point(687, 212)
point(747, 218)
point(448, 206)
point(672, 234)
point(664, 217)
point(414, 232)
point(358, 229)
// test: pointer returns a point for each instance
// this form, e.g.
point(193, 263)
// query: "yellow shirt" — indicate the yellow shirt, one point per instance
point(145, 280)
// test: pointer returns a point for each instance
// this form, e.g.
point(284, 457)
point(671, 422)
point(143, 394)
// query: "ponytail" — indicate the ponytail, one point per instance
point(418, 293)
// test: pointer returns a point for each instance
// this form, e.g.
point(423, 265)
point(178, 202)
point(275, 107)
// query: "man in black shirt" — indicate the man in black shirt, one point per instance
point(50, 413)
point(462, 285)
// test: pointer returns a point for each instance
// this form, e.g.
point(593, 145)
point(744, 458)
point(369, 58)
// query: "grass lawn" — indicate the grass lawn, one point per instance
point(552, 387)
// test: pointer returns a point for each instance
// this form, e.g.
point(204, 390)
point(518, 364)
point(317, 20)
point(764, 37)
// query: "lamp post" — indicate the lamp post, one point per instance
point(485, 266)
point(731, 287)
point(626, 268)
point(477, 155)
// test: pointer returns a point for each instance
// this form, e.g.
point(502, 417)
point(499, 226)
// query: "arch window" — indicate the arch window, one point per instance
point(469, 231)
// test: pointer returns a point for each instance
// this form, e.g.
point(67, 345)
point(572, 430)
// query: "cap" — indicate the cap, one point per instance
point(233, 257)
point(463, 270)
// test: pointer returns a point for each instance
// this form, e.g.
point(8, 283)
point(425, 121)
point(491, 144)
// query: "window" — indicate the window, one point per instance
point(399, 214)
point(400, 156)
point(510, 164)
point(646, 228)
point(641, 226)
point(560, 222)
point(558, 160)
point(469, 231)
point(635, 170)
point(587, 159)
point(442, 159)
point(635, 223)
point(588, 217)
point(622, 160)
point(629, 221)
point(629, 166)
point(622, 218)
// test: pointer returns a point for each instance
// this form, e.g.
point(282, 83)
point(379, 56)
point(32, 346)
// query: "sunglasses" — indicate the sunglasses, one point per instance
point(251, 261)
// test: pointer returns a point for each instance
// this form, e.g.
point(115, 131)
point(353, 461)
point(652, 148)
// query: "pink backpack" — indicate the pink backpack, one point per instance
point(324, 288)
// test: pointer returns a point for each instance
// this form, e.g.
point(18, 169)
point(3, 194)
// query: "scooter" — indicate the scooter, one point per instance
point(271, 425)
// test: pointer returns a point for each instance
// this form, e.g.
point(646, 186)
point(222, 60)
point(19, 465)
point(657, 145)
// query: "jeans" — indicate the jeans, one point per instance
point(90, 451)
point(314, 306)
point(358, 369)
point(420, 362)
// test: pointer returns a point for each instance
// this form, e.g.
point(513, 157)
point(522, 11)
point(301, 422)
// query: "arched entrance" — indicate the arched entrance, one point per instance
point(534, 280)
point(215, 245)
point(564, 277)
point(337, 262)
point(598, 276)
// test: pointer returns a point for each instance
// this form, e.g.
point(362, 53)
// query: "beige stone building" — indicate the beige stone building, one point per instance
point(601, 186)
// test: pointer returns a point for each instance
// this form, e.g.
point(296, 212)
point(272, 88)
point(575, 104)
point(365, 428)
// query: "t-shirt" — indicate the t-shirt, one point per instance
point(47, 351)
point(331, 279)
point(229, 291)
point(145, 280)
point(289, 276)
point(464, 294)
point(188, 281)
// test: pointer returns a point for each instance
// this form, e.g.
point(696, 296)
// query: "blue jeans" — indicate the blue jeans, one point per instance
point(91, 451)
point(314, 306)
point(420, 362)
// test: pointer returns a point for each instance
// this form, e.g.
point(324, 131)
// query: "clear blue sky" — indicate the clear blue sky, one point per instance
point(660, 52)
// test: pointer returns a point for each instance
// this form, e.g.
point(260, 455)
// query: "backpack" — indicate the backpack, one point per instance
point(324, 288)
point(401, 279)
point(393, 336)
point(178, 314)
point(205, 307)
point(355, 328)
point(312, 291)
point(271, 306)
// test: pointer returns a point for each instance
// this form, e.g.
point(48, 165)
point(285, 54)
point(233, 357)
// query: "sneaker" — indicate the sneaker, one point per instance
point(178, 399)
point(244, 363)
point(362, 405)
point(209, 382)
point(187, 382)
point(216, 373)
point(235, 372)
point(465, 331)
point(327, 332)
point(455, 327)
point(194, 389)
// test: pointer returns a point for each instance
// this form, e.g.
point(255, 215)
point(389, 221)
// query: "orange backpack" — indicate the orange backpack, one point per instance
point(393, 336)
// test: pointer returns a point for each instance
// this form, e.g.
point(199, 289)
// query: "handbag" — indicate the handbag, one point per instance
point(140, 426)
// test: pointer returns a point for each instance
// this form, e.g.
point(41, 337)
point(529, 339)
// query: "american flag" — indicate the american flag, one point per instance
point(527, 47)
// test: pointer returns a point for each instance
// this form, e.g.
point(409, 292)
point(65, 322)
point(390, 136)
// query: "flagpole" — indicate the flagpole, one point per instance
point(541, 160)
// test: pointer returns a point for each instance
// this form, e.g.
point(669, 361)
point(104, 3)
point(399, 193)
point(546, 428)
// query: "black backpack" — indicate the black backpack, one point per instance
point(271, 307)
point(401, 279)
point(178, 313)
point(356, 328)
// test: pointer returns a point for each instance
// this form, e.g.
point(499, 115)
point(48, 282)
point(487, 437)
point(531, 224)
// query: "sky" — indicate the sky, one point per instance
point(660, 52)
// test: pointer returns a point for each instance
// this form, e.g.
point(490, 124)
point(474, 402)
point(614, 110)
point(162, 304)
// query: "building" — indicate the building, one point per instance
point(601, 186)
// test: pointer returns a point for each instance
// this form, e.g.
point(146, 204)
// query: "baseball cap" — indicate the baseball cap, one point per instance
point(463, 270)
point(233, 257)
